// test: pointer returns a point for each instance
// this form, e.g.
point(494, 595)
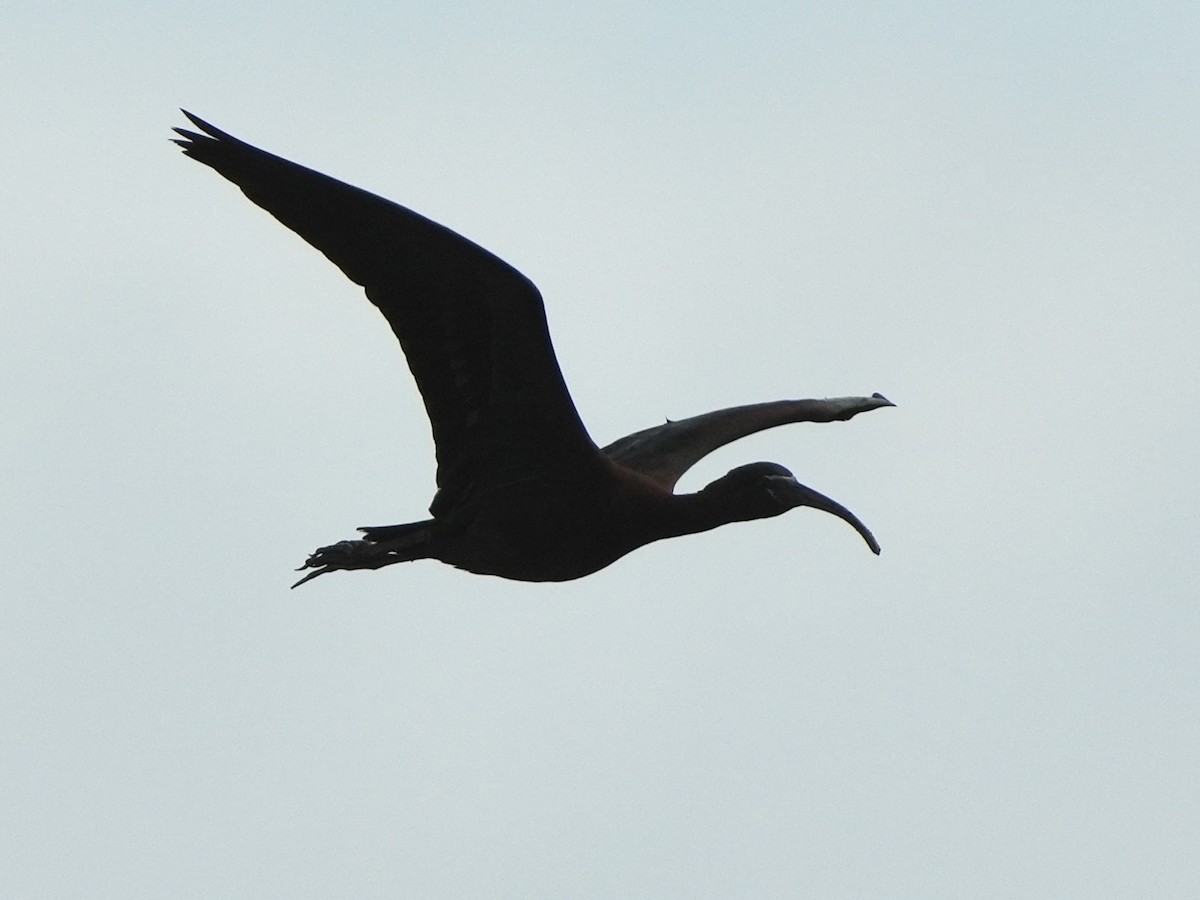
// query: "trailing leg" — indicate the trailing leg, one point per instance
point(380, 546)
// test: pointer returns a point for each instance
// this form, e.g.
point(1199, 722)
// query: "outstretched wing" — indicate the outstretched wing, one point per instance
point(665, 452)
point(472, 327)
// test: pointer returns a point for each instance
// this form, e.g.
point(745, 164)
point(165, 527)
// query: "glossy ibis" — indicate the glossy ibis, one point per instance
point(522, 490)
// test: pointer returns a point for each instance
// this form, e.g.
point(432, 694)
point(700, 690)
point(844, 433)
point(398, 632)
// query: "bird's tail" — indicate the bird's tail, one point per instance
point(414, 533)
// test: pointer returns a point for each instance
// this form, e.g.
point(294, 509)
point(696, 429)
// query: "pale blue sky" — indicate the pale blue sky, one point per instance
point(990, 214)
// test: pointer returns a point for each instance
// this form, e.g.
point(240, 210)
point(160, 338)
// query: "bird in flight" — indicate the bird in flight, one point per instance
point(522, 490)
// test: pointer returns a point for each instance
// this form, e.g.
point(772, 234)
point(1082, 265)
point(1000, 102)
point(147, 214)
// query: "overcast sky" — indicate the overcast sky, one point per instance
point(988, 212)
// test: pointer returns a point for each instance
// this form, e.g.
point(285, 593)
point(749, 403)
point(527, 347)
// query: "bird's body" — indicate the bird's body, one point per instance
point(540, 535)
point(523, 491)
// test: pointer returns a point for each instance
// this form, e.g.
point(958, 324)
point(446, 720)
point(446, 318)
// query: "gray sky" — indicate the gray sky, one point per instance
point(987, 212)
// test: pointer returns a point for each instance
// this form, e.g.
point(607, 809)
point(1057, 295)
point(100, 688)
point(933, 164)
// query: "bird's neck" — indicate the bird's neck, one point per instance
point(694, 513)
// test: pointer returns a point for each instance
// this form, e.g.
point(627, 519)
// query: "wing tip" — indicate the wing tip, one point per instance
point(193, 140)
point(208, 128)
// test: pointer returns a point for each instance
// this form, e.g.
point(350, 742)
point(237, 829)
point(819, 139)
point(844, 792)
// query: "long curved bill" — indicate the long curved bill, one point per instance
point(802, 495)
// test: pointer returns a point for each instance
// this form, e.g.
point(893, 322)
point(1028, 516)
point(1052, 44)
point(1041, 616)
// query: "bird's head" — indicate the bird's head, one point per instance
point(764, 489)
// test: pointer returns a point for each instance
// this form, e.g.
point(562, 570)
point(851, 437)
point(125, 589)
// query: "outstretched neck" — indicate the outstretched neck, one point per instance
point(705, 510)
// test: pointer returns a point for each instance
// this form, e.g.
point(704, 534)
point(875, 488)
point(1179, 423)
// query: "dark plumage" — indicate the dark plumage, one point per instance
point(523, 492)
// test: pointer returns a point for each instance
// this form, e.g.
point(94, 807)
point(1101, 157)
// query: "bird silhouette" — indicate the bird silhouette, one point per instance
point(522, 490)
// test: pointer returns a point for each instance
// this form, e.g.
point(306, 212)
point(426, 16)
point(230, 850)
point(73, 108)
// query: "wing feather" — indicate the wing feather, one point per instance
point(472, 327)
point(665, 452)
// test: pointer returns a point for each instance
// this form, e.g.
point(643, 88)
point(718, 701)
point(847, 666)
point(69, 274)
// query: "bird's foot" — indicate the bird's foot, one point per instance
point(381, 546)
point(343, 555)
